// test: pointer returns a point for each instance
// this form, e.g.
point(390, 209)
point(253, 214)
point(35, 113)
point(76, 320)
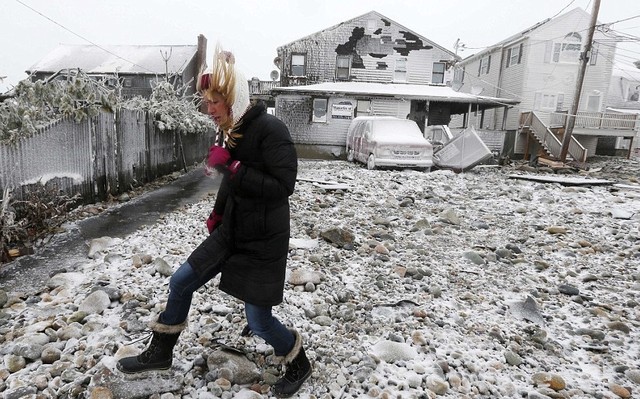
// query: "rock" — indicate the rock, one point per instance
point(340, 237)
point(512, 358)
point(568, 289)
point(3, 298)
point(557, 230)
point(162, 267)
point(98, 245)
point(633, 375)
point(136, 386)
point(50, 354)
point(553, 381)
point(474, 257)
point(527, 310)
point(619, 390)
point(14, 363)
point(242, 370)
point(95, 303)
point(619, 326)
point(392, 352)
point(304, 276)
point(436, 384)
point(449, 216)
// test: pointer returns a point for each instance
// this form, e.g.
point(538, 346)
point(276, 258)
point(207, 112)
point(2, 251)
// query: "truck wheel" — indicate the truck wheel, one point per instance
point(350, 155)
point(371, 162)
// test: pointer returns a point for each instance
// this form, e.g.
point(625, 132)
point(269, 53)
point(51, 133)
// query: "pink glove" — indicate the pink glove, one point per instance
point(213, 221)
point(218, 157)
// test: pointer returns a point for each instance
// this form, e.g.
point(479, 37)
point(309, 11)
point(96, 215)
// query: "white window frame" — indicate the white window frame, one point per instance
point(568, 50)
point(363, 107)
point(343, 59)
point(514, 55)
point(400, 70)
point(298, 61)
point(546, 101)
point(320, 105)
point(593, 98)
point(485, 65)
point(436, 73)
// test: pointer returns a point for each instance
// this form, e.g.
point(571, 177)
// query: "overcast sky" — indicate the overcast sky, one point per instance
point(255, 29)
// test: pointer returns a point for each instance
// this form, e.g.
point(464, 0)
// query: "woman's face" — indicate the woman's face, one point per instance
point(217, 108)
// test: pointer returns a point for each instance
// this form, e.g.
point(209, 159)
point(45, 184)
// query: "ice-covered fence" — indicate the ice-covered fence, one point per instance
point(101, 156)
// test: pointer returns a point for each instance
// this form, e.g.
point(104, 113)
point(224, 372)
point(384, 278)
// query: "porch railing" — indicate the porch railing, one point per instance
point(597, 120)
point(262, 87)
point(549, 140)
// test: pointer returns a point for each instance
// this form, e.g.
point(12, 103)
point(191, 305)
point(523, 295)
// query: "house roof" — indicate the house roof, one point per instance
point(123, 59)
point(376, 14)
point(522, 34)
point(395, 90)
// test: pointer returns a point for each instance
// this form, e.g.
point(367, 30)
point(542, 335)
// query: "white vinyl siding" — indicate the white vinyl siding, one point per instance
point(397, 108)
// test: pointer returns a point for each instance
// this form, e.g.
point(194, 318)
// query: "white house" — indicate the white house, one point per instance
point(539, 67)
point(368, 65)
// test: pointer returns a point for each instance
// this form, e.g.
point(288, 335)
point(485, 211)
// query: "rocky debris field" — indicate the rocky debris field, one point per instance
point(403, 284)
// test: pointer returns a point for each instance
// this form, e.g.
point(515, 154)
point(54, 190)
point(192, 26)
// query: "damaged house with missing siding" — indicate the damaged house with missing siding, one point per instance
point(369, 65)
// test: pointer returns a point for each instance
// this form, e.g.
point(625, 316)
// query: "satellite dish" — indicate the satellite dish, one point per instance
point(274, 75)
point(476, 90)
point(276, 61)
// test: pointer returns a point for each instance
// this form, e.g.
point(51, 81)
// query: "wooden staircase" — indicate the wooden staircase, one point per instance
point(550, 141)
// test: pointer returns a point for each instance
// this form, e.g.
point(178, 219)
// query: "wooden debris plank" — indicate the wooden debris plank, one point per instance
point(564, 180)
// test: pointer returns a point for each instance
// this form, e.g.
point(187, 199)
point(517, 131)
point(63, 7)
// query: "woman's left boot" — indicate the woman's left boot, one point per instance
point(298, 369)
point(159, 352)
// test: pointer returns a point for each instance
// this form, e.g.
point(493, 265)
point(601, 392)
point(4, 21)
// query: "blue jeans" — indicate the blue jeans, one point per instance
point(185, 281)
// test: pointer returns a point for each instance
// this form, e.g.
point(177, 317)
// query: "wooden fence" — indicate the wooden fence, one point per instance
point(98, 157)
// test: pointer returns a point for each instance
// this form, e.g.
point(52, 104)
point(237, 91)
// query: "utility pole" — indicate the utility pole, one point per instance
point(584, 60)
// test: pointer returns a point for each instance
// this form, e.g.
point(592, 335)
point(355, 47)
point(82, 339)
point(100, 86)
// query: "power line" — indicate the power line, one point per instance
point(84, 38)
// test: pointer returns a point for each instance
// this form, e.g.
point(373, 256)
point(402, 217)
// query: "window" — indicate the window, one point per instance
point(371, 25)
point(438, 72)
point(400, 72)
point(298, 62)
point(560, 102)
point(633, 93)
point(593, 101)
point(594, 53)
point(568, 51)
point(319, 110)
point(546, 101)
point(514, 55)
point(485, 64)
point(363, 108)
point(343, 62)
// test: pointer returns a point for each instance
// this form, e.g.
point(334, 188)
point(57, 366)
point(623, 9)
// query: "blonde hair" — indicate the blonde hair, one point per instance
point(221, 78)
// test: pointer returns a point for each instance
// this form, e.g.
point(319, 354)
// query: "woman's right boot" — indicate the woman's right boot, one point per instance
point(159, 352)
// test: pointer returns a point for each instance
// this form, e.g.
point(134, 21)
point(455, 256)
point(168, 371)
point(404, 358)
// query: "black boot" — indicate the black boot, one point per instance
point(159, 352)
point(298, 369)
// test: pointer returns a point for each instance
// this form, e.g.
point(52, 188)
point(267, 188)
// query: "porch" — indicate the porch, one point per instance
point(547, 129)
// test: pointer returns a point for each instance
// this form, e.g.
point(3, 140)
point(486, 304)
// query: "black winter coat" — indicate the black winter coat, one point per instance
point(255, 207)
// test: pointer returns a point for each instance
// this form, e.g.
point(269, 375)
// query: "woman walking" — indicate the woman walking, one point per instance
point(249, 228)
